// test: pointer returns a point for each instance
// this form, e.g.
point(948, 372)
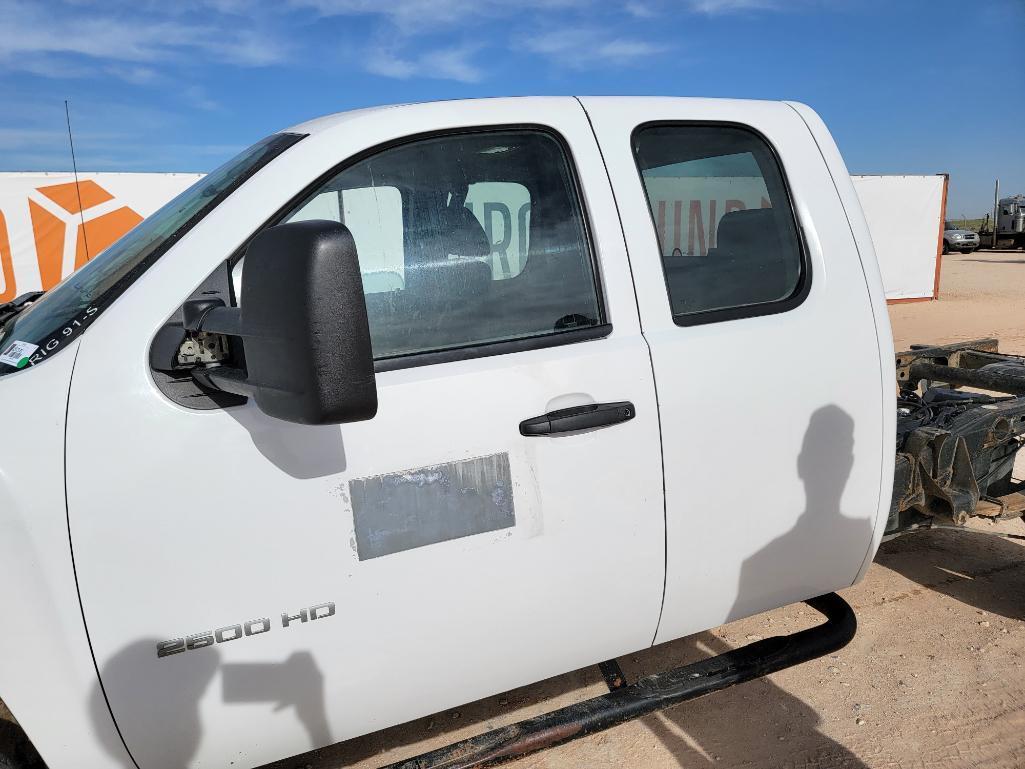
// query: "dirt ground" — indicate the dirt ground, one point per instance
point(933, 678)
point(981, 294)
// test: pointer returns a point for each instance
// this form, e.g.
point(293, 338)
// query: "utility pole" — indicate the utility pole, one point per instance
point(996, 202)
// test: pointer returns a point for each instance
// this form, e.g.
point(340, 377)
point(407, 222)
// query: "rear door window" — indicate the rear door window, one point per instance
point(726, 230)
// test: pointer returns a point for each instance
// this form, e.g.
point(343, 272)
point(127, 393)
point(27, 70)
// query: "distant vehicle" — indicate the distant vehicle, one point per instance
point(1011, 220)
point(957, 239)
point(1010, 224)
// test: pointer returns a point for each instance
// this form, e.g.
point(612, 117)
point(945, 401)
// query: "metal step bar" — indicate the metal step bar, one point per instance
point(649, 694)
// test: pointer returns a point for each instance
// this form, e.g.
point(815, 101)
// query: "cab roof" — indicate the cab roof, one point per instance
point(317, 125)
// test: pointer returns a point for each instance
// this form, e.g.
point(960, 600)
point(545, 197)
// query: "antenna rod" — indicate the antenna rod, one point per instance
point(78, 191)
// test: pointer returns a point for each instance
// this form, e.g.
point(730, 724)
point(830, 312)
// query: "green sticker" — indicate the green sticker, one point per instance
point(18, 354)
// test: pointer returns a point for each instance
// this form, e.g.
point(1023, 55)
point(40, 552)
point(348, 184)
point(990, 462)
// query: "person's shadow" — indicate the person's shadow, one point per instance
point(175, 710)
point(758, 723)
point(754, 724)
point(164, 731)
point(800, 561)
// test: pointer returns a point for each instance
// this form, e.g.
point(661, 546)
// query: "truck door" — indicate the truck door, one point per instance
point(765, 349)
point(254, 588)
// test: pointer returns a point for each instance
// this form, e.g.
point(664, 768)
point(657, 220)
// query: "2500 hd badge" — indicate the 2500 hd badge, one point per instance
point(234, 632)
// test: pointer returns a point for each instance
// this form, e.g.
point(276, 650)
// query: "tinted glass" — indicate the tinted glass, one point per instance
point(465, 240)
point(724, 221)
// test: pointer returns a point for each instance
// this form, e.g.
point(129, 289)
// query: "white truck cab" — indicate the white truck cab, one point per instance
point(482, 391)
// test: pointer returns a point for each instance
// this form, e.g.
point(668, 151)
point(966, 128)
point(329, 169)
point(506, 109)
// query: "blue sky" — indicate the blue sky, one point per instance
point(906, 87)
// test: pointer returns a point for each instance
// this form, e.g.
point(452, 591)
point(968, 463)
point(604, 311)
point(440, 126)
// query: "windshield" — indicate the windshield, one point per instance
point(47, 325)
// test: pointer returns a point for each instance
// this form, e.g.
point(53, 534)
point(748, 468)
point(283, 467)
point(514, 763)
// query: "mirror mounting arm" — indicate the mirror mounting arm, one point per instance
point(226, 379)
point(212, 316)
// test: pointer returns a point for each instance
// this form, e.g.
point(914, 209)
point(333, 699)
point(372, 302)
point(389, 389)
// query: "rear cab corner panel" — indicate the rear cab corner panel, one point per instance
point(863, 239)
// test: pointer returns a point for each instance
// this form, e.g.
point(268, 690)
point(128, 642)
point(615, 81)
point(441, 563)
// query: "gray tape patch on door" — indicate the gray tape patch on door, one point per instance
point(413, 508)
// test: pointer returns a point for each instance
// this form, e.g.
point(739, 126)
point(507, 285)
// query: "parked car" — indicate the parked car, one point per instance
point(958, 239)
point(408, 406)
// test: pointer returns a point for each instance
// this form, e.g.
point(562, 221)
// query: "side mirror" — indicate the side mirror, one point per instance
point(303, 325)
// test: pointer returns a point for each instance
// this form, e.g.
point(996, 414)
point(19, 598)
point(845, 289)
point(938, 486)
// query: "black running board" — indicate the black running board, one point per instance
point(649, 694)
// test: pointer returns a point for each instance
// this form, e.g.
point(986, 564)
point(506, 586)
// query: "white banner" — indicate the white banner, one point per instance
point(42, 238)
point(905, 217)
point(50, 227)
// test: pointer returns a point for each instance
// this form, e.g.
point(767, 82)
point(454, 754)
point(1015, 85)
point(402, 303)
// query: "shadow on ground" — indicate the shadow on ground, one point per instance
point(753, 724)
point(977, 569)
point(756, 724)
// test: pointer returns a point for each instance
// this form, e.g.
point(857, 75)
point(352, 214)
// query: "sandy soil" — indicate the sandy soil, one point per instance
point(981, 294)
point(933, 678)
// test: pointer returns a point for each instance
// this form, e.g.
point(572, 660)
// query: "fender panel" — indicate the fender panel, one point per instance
point(47, 675)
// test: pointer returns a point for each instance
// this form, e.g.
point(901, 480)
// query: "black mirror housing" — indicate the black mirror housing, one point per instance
point(304, 327)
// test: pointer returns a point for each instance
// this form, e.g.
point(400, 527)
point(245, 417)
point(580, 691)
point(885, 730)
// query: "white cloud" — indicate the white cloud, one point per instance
point(640, 10)
point(453, 64)
point(132, 74)
point(443, 64)
point(34, 128)
point(19, 138)
point(196, 96)
point(409, 16)
point(715, 7)
point(387, 64)
point(586, 47)
point(154, 43)
point(32, 33)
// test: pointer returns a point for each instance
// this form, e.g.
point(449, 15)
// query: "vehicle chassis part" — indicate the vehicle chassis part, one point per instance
point(649, 694)
point(956, 449)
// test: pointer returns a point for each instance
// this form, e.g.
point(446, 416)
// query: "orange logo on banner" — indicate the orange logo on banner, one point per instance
point(10, 289)
point(92, 236)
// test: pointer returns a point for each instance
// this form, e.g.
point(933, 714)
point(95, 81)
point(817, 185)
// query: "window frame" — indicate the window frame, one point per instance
point(600, 330)
point(761, 309)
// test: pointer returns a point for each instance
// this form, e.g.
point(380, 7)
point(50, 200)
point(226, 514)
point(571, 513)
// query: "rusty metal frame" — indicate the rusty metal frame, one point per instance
point(959, 365)
point(960, 355)
point(649, 694)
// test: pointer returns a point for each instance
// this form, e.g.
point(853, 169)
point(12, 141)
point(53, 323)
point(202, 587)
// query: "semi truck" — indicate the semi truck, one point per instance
point(1009, 231)
point(1010, 222)
point(408, 406)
